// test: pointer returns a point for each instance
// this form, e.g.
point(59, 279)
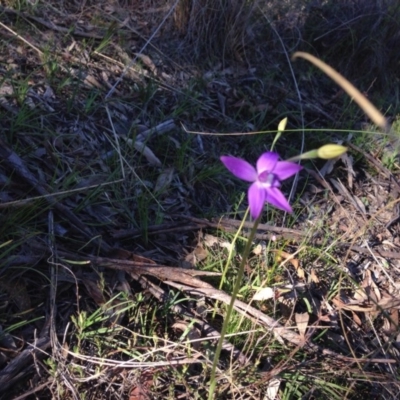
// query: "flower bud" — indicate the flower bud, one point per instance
point(282, 125)
point(331, 151)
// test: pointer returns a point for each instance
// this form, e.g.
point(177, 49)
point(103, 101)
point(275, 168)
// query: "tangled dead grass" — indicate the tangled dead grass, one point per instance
point(217, 28)
point(360, 38)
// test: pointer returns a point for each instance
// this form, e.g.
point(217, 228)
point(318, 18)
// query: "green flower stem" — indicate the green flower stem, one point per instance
point(231, 251)
point(236, 289)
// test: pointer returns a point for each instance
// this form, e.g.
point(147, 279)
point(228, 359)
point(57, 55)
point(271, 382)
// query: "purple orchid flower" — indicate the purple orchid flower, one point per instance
point(266, 180)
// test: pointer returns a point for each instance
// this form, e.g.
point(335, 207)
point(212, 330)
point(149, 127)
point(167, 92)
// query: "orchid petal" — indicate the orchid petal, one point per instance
point(256, 195)
point(285, 169)
point(240, 168)
point(267, 162)
point(275, 197)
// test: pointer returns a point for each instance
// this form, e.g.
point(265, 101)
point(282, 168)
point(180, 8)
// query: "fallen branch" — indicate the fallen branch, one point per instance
point(13, 372)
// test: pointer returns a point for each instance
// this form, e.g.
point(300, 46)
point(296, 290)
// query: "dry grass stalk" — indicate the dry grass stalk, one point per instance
point(218, 28)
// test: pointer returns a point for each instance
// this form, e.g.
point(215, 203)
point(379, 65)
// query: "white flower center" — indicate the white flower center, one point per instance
point(267, 178)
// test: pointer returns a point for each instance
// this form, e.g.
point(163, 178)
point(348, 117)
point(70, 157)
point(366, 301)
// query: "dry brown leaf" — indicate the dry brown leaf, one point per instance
point(352, 306)
point(122, 254)
point(7, 341)
point(360, 296)
point(356, 318)
point(261, 107)
point(141, 391)
point(18, 294)
point(181, 325)
point(388, 301)
point(354, 200)
point(371, 289)
point(192, 333)
point(94, 291)
point(65, 350)
point(164, 180)
point(327, 167)
point(264, 294)
point(240, 103)
point(258, 249)
point(368, 291)
point(148, 154)
point(282, 254)
point(227, 245)
point(385, 326)
point(313, 276)
point(197, 255)
point(300, 273)
point(294, 261)
point(273, 389)
point(394, 320)
point(147, 61)
point(302, 323)
point(210, 240)
point(348, 161)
